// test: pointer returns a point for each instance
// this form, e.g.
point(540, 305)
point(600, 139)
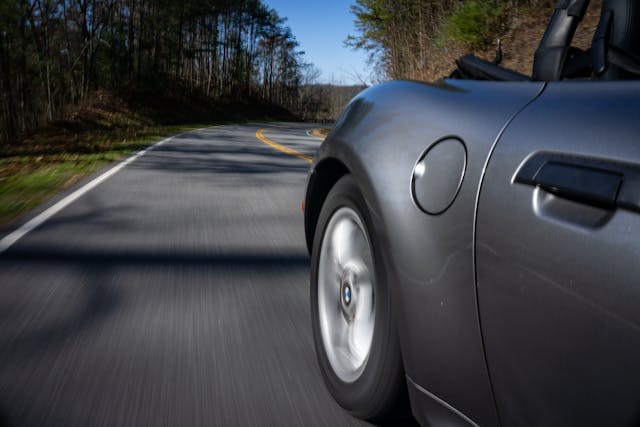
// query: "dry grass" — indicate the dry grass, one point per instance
point(46, 164)
point(518, 45)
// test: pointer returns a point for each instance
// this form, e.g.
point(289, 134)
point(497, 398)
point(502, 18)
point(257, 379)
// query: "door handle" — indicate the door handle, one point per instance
point(581, 184)
point(592, 181)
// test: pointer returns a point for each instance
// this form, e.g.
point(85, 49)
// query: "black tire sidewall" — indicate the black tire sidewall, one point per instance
point(373, 394)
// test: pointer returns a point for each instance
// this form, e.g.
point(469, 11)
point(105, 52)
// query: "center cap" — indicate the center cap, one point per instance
point(346, 294)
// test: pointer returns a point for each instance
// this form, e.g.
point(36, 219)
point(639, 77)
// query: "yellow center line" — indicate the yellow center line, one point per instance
point(282, 148)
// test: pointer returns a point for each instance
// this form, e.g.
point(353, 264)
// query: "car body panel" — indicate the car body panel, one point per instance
point(558, 292)
point(428, 258)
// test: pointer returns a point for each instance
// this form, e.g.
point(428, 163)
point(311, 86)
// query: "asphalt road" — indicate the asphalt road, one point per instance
point(175, 293)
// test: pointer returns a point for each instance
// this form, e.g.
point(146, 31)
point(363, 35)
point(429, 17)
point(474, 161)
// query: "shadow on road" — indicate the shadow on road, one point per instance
point(104, 259)
point(95, 278)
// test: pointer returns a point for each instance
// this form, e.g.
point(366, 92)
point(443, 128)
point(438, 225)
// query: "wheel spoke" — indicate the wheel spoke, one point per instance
point(342, 241)
point(346, 303)
point(363, 320)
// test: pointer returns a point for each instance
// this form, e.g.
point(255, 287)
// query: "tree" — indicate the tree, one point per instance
point(54, 53)
point(396, 33)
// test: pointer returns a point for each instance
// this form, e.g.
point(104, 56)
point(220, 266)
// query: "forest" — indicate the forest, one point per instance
point(420, 39)
point(54, 53)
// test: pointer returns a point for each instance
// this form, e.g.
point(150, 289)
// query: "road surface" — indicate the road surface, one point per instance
point(174, 293)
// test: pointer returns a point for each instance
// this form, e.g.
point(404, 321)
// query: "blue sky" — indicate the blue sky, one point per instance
point(321, 27)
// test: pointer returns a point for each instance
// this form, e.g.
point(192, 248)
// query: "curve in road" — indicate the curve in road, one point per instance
point(173, 293)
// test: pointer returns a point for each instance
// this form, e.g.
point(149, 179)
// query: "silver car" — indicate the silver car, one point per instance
point(476, 242)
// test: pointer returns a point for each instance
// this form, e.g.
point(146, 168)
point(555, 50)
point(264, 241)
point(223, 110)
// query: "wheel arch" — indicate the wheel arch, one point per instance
point(321, 180)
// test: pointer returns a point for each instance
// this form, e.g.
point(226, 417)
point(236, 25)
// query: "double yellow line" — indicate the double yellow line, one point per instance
point(282, 148)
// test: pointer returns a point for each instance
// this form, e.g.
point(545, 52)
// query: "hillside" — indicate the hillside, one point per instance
point(422, 40)
point(323, 103)
point(527, 25)
point(55, 55)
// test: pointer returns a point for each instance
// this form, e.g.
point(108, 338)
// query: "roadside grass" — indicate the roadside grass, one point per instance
point(104, 128)
point(47, 163)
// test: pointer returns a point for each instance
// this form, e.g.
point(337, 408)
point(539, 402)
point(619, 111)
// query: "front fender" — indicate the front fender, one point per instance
point(379, 138)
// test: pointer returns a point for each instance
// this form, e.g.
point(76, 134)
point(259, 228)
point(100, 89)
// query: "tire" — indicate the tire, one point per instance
point(353, 328)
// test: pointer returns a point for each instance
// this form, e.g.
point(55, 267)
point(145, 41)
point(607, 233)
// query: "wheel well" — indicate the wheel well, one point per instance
point(324, 177)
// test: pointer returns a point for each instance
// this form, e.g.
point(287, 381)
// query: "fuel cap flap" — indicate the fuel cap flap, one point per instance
point(438, 175)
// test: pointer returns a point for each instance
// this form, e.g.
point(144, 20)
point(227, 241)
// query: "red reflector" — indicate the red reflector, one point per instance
point(302, 207)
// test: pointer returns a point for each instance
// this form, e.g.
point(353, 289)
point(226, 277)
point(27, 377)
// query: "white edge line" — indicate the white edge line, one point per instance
point(11, 238)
